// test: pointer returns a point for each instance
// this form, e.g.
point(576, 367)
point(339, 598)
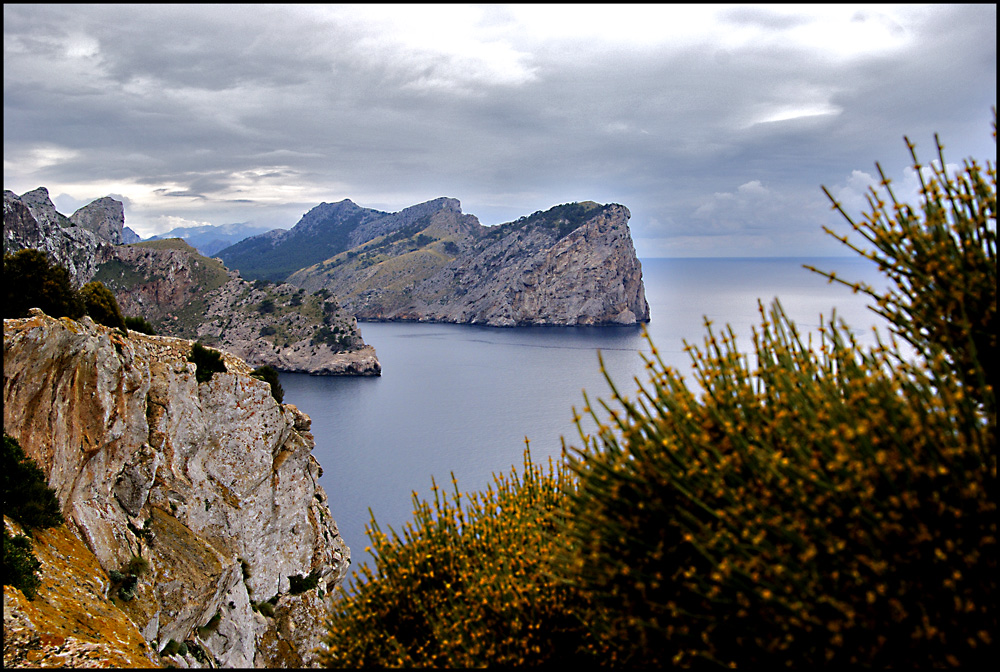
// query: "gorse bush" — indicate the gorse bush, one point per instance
point(813, 502)
point(466, 583)
point(824, 505)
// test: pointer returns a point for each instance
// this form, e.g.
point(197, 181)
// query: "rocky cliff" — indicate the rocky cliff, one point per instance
point(571, 265)
point(31, 221)
point(212, 483)
point(187, 295)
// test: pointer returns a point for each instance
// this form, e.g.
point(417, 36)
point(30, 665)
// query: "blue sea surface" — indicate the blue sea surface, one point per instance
point(462, 399)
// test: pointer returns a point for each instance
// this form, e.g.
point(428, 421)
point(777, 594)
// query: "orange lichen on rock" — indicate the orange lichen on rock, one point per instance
point(71, 622)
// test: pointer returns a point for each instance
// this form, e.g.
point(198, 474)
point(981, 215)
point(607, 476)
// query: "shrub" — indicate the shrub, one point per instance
point(102, 306)
point(20, 564)
point(139, 324)
point(29, 500)
point(266, 306)
point(269, 375)
point(300, 584)
point(207, 362)
point(137, 565)
point(206, 630)
point(268, 330)
point(464, 586)
point(829, 506)
point(31, 281)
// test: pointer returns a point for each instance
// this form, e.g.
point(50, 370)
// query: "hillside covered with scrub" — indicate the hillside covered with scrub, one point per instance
point(809, 503)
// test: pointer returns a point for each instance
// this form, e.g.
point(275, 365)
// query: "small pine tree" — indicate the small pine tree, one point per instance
point(140, 324)
point(28, 500)
point(102, 306)
point(31, 281)
point(270, 376)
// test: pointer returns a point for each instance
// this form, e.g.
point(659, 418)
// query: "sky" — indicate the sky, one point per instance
point(716, 125)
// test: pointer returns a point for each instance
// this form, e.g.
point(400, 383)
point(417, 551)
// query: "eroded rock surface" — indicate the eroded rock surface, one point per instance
point(213, 483)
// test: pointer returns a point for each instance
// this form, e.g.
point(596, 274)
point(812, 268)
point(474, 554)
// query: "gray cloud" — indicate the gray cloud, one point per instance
point(257, 113)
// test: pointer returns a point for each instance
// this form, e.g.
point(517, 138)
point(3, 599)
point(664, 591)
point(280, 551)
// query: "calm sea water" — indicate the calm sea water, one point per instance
point(461, 399)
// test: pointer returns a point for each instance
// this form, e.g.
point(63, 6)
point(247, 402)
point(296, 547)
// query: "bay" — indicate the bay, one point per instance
point(461, 399)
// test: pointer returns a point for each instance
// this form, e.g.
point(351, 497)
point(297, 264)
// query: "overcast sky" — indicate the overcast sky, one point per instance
point(714, 125)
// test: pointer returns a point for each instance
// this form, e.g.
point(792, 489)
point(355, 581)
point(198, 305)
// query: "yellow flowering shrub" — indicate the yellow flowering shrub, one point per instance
point(465, 585)
point(814, 503)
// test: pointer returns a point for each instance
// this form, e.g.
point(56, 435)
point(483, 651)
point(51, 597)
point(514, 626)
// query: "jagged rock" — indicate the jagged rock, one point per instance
point(129, 236)
point(34, 223)
point(214, 483)
point(42, 208)
point(572, 265)
point(185, 294)
point(105, 217)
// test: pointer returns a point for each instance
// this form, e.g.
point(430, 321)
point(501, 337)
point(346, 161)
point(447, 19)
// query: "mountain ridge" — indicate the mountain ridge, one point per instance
point(432, 262)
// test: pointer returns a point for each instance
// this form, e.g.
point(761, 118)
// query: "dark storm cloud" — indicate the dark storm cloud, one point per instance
point(714, 126)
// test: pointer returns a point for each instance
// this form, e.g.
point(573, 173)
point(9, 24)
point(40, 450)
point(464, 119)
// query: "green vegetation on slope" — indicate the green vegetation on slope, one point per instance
point(561, 219)
point(29, 500)
point(31, 281)
point(258, 258)
point(826, 505)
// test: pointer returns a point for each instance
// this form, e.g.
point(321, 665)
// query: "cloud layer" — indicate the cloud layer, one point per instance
point(716, 126)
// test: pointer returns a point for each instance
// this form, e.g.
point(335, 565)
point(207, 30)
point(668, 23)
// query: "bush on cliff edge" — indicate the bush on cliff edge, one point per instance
point(31, 281)
point(29, 500)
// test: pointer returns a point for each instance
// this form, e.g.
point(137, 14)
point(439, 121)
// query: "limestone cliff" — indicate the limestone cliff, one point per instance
point(185, 294)
point(571, 265)
point(213, 483)
point(31, 221)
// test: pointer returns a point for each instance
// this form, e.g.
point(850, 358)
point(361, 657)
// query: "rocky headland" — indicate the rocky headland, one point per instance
point(213, 485)
point(182, 293)
point(574, 264)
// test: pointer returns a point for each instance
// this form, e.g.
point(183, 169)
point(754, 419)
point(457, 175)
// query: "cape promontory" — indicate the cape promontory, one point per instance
point(573, 264)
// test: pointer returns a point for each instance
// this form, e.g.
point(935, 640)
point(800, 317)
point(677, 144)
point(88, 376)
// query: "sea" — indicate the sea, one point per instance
point(460, 400)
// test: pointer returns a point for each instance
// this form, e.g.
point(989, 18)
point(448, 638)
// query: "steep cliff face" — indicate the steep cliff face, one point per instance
point(572, 265)
point(31, 221)
point(185, 294)
point(212, 483)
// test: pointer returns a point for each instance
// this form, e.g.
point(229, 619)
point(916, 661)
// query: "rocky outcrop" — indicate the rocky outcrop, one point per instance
point(571, 265)
point(185, 294)
point(31, 221)
point(129, 236)
point(105, 217)
point(213, 483)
